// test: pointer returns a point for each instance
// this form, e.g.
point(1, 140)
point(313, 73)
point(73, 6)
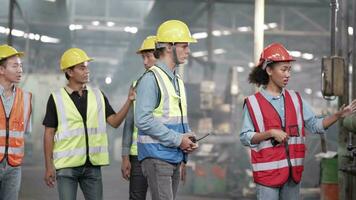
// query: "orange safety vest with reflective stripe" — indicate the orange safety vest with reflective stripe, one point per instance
point(272, 165)
point(12, 129)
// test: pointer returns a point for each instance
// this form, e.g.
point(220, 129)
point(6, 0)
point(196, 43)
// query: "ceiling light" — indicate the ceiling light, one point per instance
point(297, 67)
point(251, 64)
point(219, 51)
point(199, 54)
point(73, 27)
point(351, 30)
point(108, 80)
point(110, 24)
point(307, 56)
point(216, 33)
point(308, 91)
point(244, 28)
point(295, 53)
point(95, 23)
point(272, 25)
point(240, 69)
point(200, 35)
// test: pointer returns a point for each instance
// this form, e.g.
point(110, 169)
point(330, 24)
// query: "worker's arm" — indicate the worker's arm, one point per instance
point(343, 112)
point(116, 119)
point(249, 137)
point(126, 144)
point(48, 142)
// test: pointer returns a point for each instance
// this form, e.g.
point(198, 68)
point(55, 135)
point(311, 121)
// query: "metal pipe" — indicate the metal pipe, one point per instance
point(11, 21)
point(354, 52)
point(333, 20)
point(259, 31)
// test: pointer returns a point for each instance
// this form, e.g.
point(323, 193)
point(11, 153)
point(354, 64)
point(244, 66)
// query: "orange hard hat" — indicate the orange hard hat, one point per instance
point(274, 52)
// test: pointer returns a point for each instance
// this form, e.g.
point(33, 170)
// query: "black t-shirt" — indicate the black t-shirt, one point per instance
point(81, 102)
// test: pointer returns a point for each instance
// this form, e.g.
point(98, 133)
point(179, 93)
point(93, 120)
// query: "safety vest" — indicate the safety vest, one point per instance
point(171, 112)
point(12, 129)
point(133, 148)
point(273, 165)
point(75, 140)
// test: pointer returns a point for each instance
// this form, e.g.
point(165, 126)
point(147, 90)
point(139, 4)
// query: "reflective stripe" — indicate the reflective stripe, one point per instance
point(73, 152)
point(257, 111)
point(276, 164)
point(99, 149)
point(165, 95)
point(14, 150)
point(61, 109)
point(99, 102)
point(297, 109)
point(146, 139)
point(267, 143)
point(77, 132)
point(2, 149)
point(16, 134)
point(172, 120)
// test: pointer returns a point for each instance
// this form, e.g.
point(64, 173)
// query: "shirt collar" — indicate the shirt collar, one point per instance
point(269, 96)
point(70, 90)
point(166, 69)
point(2, 90)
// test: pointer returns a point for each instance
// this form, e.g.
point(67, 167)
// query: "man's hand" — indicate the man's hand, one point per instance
point(50, 177)
point(346, 110)
point(279, 135)
point(132, 94)
point(125, 167)
point(187, 145)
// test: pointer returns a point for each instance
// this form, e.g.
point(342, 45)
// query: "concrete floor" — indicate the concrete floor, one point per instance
point(115, 188)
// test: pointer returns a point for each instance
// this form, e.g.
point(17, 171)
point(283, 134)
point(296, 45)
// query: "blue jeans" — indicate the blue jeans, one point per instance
point(138, 183)
point(289, 191)
point(89, 179)
point(10, 181)
point(162, 178)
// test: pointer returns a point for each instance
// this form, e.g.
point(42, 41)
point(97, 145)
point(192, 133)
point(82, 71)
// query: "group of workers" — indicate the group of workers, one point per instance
point(156, 137)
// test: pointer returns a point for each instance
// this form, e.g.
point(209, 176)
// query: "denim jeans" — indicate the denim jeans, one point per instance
point(10, 181)
point(162, 177)
point(138, 183)
point(289, 191)
point(89, 179)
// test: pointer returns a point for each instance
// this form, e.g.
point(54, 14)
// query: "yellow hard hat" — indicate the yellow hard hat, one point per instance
point(72, 57)
point(147, 44)
point(174, 31)
point(8, 51)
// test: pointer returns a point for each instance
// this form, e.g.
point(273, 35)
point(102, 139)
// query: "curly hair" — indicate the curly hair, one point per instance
point(259, 76)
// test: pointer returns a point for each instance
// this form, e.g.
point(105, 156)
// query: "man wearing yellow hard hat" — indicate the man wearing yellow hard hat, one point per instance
point(15, 114)
point(75, 139)
point(130, 166)
point(161, 112)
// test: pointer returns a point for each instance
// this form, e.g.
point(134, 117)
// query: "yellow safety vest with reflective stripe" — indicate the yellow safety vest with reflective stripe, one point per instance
point(133, 148)
point(70, 143)
point(172, 112)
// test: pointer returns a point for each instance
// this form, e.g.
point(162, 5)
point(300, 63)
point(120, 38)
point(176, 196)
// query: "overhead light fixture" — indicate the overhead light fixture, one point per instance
point(131, 29)
point(216, 33)
point(73, 27)
point(244, 28)
point(95, 23)
point(199, 54)
point(240, 69)
point(200, 35)
point(251, 64)
point(350, 30)
point(295, 53)
point(308, 91)
point(297, 67)
point(110, 24)
point(51, 1)
point(108, 80)
point(219, 51)
point(307, 56)
point(47, 39)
